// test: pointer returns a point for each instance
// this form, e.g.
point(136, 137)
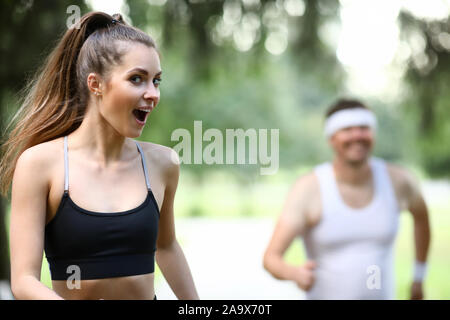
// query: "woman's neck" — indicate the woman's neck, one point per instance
point(101, 143)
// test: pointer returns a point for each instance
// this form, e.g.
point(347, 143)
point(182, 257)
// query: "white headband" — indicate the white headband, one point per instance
point(349, 118)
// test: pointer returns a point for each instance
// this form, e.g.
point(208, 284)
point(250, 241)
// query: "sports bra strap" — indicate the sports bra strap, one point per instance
point(66, 167)
point(144, 165)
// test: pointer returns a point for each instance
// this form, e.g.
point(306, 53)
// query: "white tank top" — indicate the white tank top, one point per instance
point(353, 248)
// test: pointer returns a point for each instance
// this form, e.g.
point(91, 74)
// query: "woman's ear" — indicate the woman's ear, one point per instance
point(94, 83)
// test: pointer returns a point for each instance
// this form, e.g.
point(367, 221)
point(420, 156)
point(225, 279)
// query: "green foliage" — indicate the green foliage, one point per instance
point(427, 101)
point(254, 89)
point(206, 77)
point(30, 30)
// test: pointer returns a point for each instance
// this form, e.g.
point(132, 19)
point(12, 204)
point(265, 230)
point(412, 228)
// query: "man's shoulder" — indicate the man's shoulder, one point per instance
point(403, 180)
point(306, 192)
point(307, 183)
point(310, 179)
point(399, 173)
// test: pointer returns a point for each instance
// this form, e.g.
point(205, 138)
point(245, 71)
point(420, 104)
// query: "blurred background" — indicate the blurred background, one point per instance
point(269, 64)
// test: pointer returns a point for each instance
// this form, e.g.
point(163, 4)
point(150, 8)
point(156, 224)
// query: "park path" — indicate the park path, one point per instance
point(225, 257)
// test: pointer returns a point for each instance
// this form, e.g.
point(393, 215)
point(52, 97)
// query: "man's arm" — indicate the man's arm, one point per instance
point(410, 198)
point(418, 208)
point(292, 222)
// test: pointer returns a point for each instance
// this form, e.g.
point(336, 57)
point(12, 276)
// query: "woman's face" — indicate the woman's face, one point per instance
point(132, 90)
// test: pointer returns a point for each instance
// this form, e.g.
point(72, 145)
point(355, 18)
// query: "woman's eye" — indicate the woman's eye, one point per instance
point(136, 79)
point(157, 81)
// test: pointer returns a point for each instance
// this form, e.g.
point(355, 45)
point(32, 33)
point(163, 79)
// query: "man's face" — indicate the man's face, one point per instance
point(353, 144)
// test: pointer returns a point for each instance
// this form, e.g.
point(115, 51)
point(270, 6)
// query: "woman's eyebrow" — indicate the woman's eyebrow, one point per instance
point(138, 70)
point(143, 71)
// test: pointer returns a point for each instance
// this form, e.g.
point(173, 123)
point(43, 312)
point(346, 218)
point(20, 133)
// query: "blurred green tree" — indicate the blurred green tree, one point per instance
point(243, 64)
point(428, 97)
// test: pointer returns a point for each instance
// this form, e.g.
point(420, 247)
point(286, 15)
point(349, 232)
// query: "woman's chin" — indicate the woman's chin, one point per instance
point(135, 133)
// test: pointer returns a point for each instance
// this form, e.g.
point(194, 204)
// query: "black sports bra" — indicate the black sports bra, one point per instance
point(101, 245)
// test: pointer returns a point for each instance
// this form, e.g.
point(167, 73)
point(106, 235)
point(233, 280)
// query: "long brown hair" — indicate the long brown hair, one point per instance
point(55, 101)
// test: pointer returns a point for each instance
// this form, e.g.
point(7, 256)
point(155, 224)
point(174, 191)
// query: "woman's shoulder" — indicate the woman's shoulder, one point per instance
point(162, 156)
point(36, 162)
point(44, 152)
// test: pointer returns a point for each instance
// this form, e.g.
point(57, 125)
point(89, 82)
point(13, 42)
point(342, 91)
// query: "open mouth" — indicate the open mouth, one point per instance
point(357, 144)
point(140, 115)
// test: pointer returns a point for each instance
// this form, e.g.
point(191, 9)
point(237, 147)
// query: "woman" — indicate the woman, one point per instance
point(79, 179)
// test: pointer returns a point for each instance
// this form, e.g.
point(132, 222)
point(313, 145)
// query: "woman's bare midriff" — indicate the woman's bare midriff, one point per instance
point(139, 287)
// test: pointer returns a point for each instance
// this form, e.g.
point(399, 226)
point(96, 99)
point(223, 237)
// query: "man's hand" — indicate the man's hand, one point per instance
point(305, 276)
point(417, 291)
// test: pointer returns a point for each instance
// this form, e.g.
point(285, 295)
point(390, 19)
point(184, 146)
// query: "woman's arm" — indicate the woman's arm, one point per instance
point(27, 224)
point(169, 255)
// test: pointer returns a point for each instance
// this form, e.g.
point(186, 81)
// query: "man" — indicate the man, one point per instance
point(347, 214)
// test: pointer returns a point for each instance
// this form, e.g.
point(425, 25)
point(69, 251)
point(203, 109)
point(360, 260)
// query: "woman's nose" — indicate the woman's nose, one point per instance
point(152, 93)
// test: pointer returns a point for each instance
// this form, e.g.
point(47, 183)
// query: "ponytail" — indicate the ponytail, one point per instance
point(56, 99)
